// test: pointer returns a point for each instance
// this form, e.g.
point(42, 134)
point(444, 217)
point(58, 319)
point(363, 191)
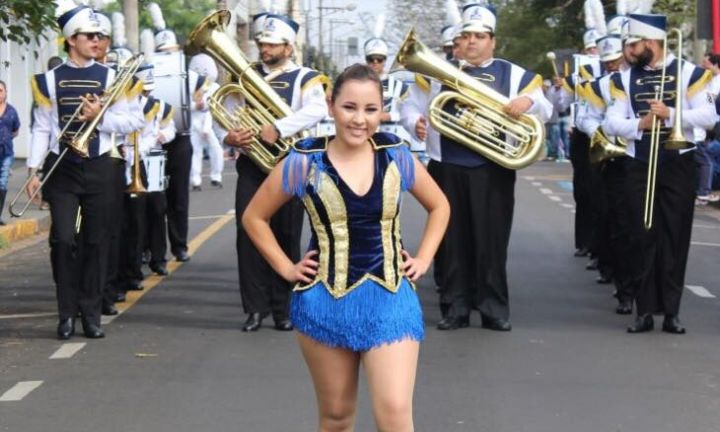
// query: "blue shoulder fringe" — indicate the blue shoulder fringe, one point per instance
point(309, 152)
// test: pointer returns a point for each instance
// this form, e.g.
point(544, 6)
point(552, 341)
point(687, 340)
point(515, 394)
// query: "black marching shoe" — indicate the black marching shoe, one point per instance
point(135, 286)
point(452, 322)
point(253, 322)
point(624, 308)
point(496, 324)
point(216, 184)
point(66, 328)
point(92, 331)
point(283, 324)
point(581, 252)
point(120, 297)
point(671, 324)
point(642, 324)
point(592, 264)
point(603, 279)
point(182, 256)
point(159, 269)
point(109, 310)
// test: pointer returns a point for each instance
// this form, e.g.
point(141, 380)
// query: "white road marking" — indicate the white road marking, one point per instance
point(706, 226)
point(536, 184)
point(107, 319)
point(231, 211)
point(205, 217)
point(546, 191)
point(19, 391)
point(554, 198)
point(568, 205)
point(705, 244)
point(28, 315)
point(67, 350)
point(700, 291)
point(529, 178)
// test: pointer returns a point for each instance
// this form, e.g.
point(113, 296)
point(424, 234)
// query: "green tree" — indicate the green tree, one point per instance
point(24, 21)
point(181, 16)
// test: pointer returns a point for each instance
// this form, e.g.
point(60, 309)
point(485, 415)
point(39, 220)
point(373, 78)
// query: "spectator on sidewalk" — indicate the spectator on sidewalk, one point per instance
point(706, 162)
point(9, 127)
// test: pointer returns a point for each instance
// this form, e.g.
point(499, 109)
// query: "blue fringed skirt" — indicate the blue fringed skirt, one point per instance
point(365, 318)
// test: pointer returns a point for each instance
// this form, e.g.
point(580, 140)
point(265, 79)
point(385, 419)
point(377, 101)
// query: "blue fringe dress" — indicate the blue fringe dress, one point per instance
point(360, 298)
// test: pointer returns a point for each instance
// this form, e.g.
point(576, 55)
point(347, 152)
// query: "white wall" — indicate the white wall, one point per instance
point(22, 66)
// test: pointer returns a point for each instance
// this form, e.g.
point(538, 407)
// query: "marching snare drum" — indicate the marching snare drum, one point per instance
point(155, 169)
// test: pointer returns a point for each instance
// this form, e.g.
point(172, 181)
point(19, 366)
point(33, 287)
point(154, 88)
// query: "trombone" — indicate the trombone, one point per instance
point(79, 141)
point(676, 140)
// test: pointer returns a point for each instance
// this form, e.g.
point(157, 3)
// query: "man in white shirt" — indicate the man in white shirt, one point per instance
point(78, 182)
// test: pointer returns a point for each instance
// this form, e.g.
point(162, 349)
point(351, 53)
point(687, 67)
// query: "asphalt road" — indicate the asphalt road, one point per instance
point(176, 360)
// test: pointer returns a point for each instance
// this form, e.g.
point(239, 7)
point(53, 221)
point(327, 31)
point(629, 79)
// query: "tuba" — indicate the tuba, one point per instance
point(480, 123)
point(262, 107)
point(603, 147)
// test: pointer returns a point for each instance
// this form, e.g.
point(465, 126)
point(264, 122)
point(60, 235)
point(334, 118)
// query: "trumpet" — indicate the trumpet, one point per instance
point(676, 140)
point(480, 123)
point(136, 187)
point(79, 141)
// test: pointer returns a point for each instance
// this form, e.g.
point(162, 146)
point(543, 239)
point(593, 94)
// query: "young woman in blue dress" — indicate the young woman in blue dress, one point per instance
point(354, 302)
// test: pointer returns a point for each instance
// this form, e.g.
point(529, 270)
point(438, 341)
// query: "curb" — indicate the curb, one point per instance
point(22, 229)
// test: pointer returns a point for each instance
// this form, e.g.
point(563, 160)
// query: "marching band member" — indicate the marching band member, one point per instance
point(564, 94)
point(77, 182)
point(665, 246)
point(394, 90)
point(179, 151)
point(417, 102)
point(481, 193)
point(159, 129)
point(262, 290)
point(614, 241)
point(203, 137)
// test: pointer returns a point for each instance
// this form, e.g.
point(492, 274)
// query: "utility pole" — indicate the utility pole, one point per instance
point(320, 62)
point(130, 10)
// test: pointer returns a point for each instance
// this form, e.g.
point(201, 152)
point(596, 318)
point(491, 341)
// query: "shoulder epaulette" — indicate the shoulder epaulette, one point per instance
point(386, 140)
point(40, 91)
point(529, 82)
point(698, 80)
point(311, 145)
point(617, 89)
point(134, 89)
point(593, 94)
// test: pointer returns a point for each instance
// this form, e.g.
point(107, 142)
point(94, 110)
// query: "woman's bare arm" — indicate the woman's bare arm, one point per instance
point(256, 220)
point(429, 195)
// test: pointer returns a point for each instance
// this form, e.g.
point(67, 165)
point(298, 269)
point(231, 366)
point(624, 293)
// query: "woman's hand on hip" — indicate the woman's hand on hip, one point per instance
point(414, 268)
point(304, 270)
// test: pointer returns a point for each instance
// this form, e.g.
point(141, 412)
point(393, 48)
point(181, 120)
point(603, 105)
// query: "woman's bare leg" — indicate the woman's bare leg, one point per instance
point(334, 373)
point(391, 373)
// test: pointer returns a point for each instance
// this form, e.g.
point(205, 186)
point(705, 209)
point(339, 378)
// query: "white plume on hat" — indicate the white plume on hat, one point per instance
point(64, 6)
point(379, 26)
point(157, 16)
point(118, 25)
point(643, 6)
point(147, 43)
point(595, 16)
point(452, 13)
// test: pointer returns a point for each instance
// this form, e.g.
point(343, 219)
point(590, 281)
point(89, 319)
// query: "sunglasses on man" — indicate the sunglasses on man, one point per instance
point(97, 35)
point(375, 59)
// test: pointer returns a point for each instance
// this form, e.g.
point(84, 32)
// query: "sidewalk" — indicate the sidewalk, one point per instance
point(33, 221)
